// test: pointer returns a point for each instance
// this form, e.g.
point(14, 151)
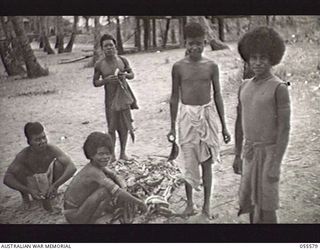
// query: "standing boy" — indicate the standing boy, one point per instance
point(114, 71)
point(192, 78)
point(262, 126)
point(39, 169)
point(96, 191)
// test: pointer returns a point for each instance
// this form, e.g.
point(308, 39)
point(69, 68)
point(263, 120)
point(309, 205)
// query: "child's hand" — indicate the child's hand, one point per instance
point(226, 136)
point(111, 78)
point(237, 165)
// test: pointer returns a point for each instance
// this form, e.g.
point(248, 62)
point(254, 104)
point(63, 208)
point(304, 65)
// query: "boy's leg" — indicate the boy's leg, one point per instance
point(88, 210)
point(207, 184)
point(123, 136)
point(190, 206)
point(26, 202)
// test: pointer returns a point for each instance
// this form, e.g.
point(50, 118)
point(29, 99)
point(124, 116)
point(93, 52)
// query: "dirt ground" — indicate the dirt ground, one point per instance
point(70, 107)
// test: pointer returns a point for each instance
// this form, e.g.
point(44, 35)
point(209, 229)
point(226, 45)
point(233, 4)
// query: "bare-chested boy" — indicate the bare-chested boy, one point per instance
point(120, 121)
point(262, 126)
point(39, 169)
point(192, 78)
point(96, 191)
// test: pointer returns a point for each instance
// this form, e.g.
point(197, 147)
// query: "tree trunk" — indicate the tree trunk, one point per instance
point(214, 42)
point(73, 34)
point(60, 35)
point(154, 33)
point(137, 36)
point(44, 35)
point(181, 35)
point(119, 37)
point(221, 28)
point(146, 33)
point(173, 35)
point(87, 22)
point(34, 69)
point(10, 59)
point(165, 37)
point(96, 47)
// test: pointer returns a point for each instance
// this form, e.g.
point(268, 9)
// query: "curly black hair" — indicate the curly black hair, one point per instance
point(194, 29)
point(107, 37)
point(263, 40)
point(96, 140)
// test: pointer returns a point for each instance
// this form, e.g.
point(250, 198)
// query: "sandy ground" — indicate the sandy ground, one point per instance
point(70, 107)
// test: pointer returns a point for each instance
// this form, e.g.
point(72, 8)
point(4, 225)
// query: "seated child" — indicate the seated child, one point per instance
point(96, 191)
point(39, 169)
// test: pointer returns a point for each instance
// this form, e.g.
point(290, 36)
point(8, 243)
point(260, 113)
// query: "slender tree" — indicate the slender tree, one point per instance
point(137, 36)
point(166, 31)
point(96, 46)
point(34, 69)
point(87, 22)
point(119, 37)
point(73, 34)
point(60, 34)
point(44, 35)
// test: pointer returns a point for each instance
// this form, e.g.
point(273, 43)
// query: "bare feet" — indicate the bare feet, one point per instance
point(207, 214)
point(190, 210)
point(124, 157)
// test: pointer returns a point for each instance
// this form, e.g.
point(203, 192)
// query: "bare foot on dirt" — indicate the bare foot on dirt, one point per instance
point(190, 210)
point(199, 219)
point(124, 157)
point(206, 212)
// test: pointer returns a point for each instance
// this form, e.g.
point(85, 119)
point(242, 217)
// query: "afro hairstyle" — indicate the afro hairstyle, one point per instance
point(263, 40)
point(32, 128)
point(193, 30)
point(107, 37)
point(96, 140)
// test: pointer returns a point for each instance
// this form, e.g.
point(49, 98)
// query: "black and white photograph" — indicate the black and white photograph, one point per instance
point(160, 119)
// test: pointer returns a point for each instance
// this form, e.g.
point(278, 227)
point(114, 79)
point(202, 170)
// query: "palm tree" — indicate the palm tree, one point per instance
point(8, 54)
point(34, 69)
point(119, 37)
point(73, 34)
point(44, 36)
point(96, 46)
point(60, 36)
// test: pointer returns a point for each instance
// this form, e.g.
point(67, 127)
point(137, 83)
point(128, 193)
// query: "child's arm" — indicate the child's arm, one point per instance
point(114, 177)
point(128, 72)
point(219, 101)
point(174, 100)
point(96, 77)
point(283, 129)
point(237, 164)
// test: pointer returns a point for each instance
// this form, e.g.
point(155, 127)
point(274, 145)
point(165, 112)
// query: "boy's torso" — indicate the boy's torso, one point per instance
point(108, 68)
point(84, 184)
point(259, 110)
point(195, 81)
point(36, 162)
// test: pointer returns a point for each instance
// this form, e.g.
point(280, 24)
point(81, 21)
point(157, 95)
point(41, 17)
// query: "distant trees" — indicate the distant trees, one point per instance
point(34, 69)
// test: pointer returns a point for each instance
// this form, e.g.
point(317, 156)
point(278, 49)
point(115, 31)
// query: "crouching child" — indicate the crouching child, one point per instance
point(96, 191)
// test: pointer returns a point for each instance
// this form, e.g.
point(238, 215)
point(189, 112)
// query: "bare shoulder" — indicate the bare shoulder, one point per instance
point(98, 64)
point(179, 63)
point(55, 150)
point(210, 62)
